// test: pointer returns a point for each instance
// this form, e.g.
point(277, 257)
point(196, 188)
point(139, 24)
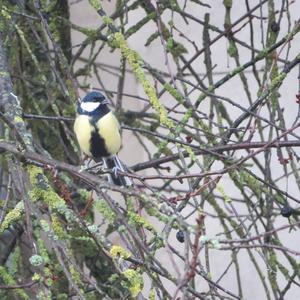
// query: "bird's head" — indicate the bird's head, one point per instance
point(92, 101)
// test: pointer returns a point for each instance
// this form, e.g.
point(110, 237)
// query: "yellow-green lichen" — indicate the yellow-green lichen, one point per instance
point(137, 220)
point(135, 63)
point(232, 49)
point(262, 54)
point(243, 178)
point(190, 151)
point(49, 281)
point(277, 81)
point(34, 172)
point(105, 210)
point(152, 294)
point(18, 119)
point(53, 26)
point(113, 278)
point(107, 20)
point(140, 24)
point(62, 297)
point(92, 34)
point(84, 193)
point(45, 226)
point(50, 197)
point(42, 191)
point(152, 38)
point(13, 216)
point(75, 275)
point(42, 250)
point(4, 74)
point(43, 296)
point(135, 281)
point(15, 257)
point(7, 279)
point(220, 188)
point(36, 277)
point(5, 13)
point(237, 70)
point(96, 4)
point(283, 270)
point(31, 53)
point(170, 43)
point(58, 228)
point(154, 211)
point(272, 262)
point(118, 251)
point(172, 91)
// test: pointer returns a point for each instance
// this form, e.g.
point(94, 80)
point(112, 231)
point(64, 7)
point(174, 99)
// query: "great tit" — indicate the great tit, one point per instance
point(98, 134)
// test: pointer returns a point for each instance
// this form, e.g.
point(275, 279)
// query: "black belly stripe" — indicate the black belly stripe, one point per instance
point(98, 148)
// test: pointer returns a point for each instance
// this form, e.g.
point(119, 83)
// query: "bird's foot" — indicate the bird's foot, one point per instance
point(115, 171)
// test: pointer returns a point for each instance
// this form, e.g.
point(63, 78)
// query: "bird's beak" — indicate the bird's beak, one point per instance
point(105, 101)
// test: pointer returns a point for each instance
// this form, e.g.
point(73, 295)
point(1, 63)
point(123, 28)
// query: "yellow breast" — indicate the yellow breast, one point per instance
point(83, 130)
point(109, 130)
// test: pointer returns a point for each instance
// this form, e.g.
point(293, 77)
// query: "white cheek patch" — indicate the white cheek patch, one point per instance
point(89, 106)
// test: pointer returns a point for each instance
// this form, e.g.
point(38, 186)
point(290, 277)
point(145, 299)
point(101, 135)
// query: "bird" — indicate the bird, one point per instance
point(98, 133)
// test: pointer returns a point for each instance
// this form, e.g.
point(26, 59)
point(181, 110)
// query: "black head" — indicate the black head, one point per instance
point(93, 102)
point(94, 97)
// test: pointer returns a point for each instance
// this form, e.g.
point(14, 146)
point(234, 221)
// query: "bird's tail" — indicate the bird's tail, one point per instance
point(115, 164)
